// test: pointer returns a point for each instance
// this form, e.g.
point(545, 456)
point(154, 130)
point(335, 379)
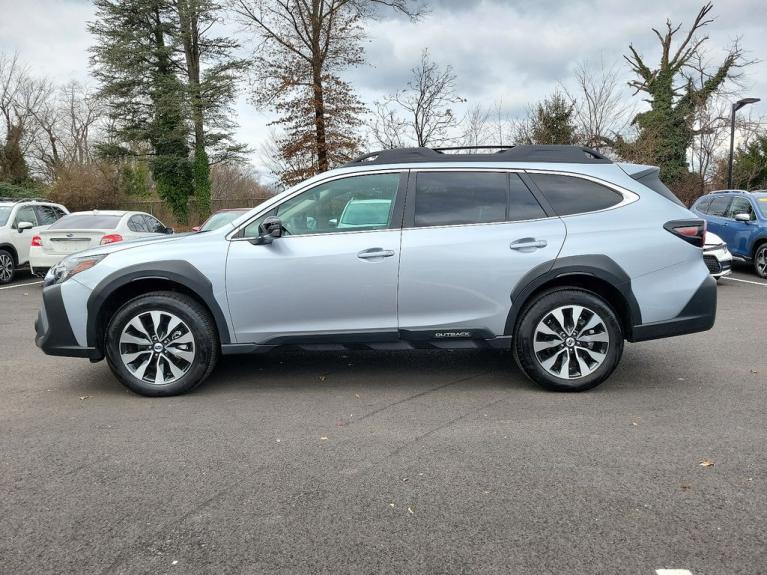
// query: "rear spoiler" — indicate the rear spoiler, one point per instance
point(649, 176)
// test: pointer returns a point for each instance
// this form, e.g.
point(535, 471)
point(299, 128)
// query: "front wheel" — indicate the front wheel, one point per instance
point(760, 261)
point(161, 343)
point(568, 340)
point(7, 267)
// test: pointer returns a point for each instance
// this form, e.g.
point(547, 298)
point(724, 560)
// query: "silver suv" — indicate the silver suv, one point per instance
point(553, 252)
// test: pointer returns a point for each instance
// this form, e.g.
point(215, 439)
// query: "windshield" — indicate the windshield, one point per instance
point(5, 212)
point(221, 219)
point(86, 222)
point(761, 202)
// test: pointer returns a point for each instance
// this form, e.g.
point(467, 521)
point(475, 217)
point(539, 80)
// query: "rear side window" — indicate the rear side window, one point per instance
point(455, 198)
point(46, 215)
point(136, 224)
point(522, 203)
point(86, 222)
point(702, 205)
point(154, 225)
point(569, 195)
point(719, 206)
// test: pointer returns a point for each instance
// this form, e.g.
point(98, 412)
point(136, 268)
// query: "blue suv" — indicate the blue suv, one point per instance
point(740, 219)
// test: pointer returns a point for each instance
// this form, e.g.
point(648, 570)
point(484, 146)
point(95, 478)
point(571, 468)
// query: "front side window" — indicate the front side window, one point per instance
point(741, 206)
point(719, 206)
point(357, 203)
point(456, 198)
point(569, 195)
point(26, 214)
point(5, 213)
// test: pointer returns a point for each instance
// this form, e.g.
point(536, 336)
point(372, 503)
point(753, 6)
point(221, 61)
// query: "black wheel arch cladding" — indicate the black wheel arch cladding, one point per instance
point(175, 271)
point(598, 266)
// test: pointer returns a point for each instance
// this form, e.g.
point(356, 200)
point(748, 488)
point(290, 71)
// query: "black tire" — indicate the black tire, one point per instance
point(7, 267)
point(197, 322)
point(760, 261)
point(539, 310)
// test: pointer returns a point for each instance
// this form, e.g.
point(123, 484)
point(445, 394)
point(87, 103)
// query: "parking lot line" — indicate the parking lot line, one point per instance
point(22, 285)
point(744, 281)
point(673, 572)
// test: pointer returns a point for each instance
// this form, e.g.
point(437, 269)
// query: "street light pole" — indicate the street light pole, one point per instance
point(735, 107)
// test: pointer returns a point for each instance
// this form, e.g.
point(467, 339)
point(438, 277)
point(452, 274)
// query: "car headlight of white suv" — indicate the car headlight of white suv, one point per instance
point(70, 267)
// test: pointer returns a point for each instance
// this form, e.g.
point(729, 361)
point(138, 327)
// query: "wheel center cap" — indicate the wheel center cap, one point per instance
point(158, 347)
point(570, 342)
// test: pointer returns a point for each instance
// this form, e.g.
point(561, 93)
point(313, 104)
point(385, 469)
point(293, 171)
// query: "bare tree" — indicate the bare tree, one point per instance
point(601, 112)
point(477, 126)
point(305, 44)
point(421, 113)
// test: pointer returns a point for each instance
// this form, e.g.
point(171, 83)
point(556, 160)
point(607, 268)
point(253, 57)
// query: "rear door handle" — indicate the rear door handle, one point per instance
point(528, 244)
point(374, 253)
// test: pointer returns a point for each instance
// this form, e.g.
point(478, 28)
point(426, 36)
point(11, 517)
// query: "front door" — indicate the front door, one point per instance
point(469, 237)
point(737, 234)
point(23, 239)
point(331, 276)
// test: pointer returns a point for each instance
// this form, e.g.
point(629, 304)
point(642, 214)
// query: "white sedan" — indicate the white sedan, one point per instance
point(82, 230)
point(716, 255)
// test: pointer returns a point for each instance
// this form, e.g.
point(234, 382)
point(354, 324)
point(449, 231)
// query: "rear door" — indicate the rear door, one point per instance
point(469, 236)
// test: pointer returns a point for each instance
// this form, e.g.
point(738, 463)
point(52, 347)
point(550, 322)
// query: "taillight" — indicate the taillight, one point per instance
point(691, 231)
point(111, 238)
point(37, 242)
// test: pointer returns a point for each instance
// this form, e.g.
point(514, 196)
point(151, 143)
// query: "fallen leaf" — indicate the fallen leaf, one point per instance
point(410, 511)
point(82, 397)
point(278, 441)
point(404, 479)
point(323, 438)
point(684, 486)
point(174, 563)
point(391, 504)
point(706, 463)
point(357, 395)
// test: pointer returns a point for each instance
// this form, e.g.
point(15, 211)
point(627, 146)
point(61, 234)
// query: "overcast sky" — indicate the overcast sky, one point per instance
point(501, 50)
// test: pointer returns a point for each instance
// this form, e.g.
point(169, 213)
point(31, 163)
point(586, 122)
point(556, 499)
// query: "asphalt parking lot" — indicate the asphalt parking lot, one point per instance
point(409, 462)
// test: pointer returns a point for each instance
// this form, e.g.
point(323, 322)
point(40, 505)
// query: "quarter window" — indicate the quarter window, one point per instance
point(454, 198)
point(719, 206)
point(522, 203)
point(357, 203)
point(569, 195)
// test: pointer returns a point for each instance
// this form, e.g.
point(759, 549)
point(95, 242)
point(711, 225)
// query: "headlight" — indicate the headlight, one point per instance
point(71, 266)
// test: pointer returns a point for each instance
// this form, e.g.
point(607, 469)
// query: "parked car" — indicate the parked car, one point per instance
point(219, 219)
point(549, 251)
point(79, 231)
point(717, 257)
point(740, 219)
point(20, 219)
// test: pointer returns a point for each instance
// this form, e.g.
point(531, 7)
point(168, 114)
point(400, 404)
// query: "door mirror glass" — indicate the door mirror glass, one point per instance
point(25, 226)
point(743, 217)
point(270, 229)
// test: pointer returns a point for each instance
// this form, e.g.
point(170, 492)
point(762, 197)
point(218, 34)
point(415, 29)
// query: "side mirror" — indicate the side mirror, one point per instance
point(271, 229)
point(172, 231)
point(25, 226)
point(742, 217)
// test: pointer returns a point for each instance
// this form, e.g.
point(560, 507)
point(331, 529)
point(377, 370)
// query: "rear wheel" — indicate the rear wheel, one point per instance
point(568, 340)
point(161, 343)
point(760, 261)
point(7, 267)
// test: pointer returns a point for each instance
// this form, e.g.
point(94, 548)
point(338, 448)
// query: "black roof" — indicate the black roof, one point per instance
point(535, 153)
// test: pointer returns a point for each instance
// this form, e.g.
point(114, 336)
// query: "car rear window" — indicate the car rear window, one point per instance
point(455, 198)
point(569, 195)
point(86, 222)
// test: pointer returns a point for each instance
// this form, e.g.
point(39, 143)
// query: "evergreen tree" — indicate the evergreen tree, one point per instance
point(550, 122)
point(749, 167)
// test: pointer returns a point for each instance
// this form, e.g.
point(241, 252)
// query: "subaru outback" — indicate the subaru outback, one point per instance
point(555, 253)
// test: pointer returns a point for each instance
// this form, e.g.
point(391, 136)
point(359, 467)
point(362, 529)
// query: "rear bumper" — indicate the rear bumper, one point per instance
point(40, 261)
point(698, 315)
point(53, 332)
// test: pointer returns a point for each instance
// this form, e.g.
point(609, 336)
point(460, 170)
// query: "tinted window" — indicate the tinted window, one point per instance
point(702, 205)
point(26, 214)
point(87, 222)
point(569, 195)
point(719, 206)
point(5, 212)
point(741, 206)
point(319, 209)
point(136, 224)
point(522, 203)
point(59, 212)
point(451, 198)
point(154, 225)
point(46, 215)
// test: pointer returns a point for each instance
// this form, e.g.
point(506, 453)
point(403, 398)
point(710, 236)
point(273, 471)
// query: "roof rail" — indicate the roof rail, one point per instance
point(729, 192)
point(17, 200)
point(528, 153)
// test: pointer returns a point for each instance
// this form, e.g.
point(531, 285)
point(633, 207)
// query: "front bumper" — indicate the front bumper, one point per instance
point(718, 260)
point(53, 331)
point(698, 315)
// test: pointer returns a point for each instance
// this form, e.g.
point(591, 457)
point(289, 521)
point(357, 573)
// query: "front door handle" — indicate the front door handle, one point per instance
point(528, 244)
point(374, 253)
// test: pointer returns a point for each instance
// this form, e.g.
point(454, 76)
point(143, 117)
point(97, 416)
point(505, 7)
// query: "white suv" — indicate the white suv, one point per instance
point(19, 220)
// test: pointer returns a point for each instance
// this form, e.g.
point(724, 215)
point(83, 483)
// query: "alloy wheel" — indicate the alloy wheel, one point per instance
point(761, 261)
point(157, 347)
point(571, 342)
point(6, 268)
